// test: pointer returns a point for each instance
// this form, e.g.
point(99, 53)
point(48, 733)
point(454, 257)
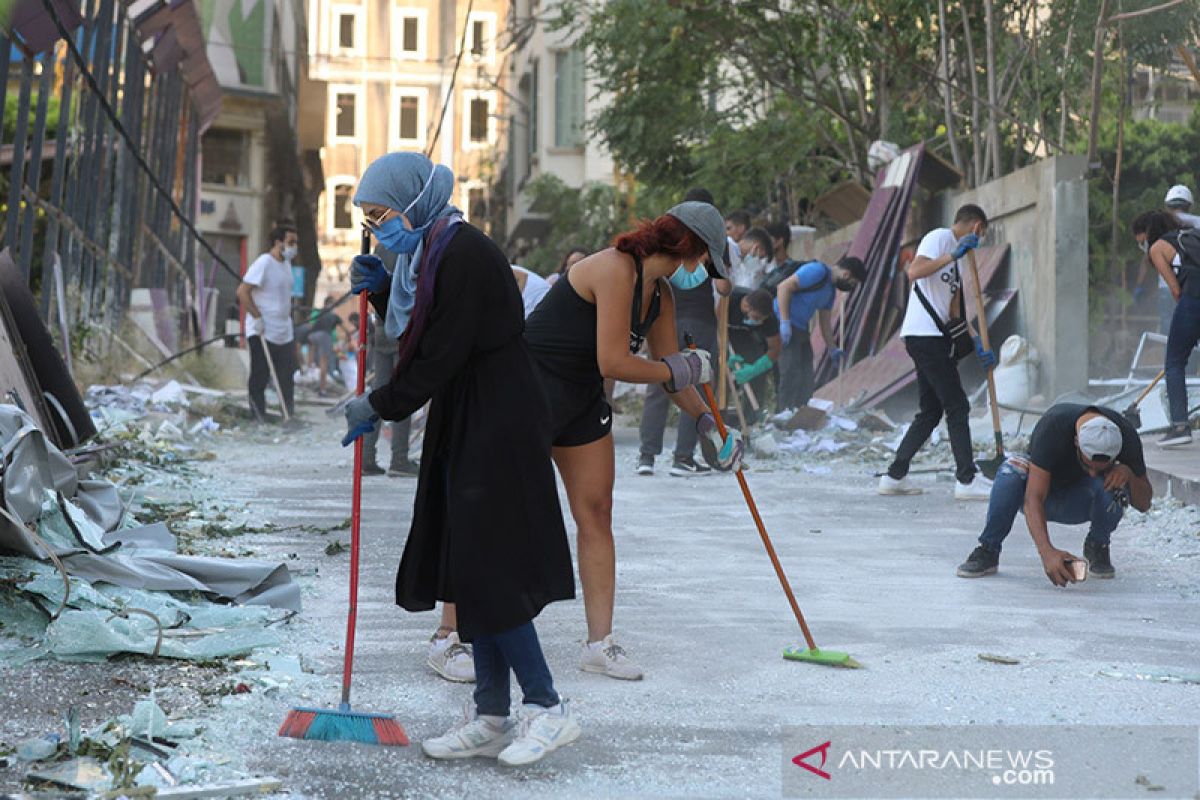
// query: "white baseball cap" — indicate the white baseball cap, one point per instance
point(1100, 436)
point(1179, 195)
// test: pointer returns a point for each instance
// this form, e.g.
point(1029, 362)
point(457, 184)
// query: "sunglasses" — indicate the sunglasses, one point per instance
point(376, 218)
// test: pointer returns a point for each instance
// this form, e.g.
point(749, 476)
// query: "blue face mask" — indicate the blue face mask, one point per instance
point(751, 322)
point(683, 280)
point(394, 236)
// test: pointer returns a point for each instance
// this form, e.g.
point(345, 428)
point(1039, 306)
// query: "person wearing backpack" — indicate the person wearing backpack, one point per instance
point(810, 291)
point(936, 336)
point(1175, 254)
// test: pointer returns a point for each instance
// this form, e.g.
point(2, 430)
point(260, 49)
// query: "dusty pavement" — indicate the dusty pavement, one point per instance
point(699, 608)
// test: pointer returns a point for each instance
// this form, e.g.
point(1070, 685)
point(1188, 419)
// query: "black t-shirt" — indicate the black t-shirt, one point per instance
point(1052, 443)
point(737, 320)
point(696, 304)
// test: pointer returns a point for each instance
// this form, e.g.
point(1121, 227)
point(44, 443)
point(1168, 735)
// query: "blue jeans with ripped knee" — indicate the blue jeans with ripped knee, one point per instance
point(1083, 501)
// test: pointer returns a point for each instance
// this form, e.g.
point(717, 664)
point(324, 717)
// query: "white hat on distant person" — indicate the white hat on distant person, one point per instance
point(1178, 195)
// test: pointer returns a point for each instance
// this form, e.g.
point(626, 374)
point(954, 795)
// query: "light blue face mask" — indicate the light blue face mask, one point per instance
point(683, 280)
point(751, 322)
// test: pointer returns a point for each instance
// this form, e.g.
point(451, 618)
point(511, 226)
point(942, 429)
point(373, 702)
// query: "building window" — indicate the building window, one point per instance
point(568, 98)
point(409, 117)
point(477, 209)
point(408, 31)
point(533, 109)
point(345, 114)
point(480, 117)
point(343, 217)
point(225, 157)
point(346, 31)
point(477, 38)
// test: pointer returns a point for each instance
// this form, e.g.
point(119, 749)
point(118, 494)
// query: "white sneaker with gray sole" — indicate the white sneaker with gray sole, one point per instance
point(978, 489)
point(451, 659)
point(470, 737)
point(891, 486)
point(606, 657)
point(540, 732)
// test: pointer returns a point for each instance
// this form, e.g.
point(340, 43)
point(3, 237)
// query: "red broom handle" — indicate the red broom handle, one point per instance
point(356, 504)
point(762, 528)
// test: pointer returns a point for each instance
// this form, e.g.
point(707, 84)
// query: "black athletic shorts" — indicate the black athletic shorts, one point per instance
point(579, 412)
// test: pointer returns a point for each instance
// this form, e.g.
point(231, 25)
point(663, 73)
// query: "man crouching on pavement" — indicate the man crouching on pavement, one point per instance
point(1085, 464)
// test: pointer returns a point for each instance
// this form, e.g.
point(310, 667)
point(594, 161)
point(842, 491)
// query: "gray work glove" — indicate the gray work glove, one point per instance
point(688, 368)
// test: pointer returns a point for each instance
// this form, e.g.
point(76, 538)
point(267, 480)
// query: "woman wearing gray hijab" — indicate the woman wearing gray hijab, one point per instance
point(487, 530)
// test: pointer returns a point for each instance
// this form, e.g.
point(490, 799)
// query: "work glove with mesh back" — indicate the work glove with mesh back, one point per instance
point(987, 359)
point(749, 373)
point(367, 274)
point(361, 419)
point(723, 454)
point(968, 242)
point(688, 368)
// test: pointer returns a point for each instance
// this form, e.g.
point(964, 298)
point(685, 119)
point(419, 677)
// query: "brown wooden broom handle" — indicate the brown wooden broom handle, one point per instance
point(981, 315)
point(762, 529)
point(1153, 383)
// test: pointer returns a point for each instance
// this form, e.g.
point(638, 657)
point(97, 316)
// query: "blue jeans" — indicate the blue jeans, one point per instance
point(520, 651)
point(1082, 501)
point(1185, 332)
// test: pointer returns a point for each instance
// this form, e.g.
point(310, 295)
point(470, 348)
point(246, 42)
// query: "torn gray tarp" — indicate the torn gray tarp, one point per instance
point(33, 472)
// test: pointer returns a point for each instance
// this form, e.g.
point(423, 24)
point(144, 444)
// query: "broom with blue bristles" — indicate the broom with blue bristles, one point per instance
point(344, 724)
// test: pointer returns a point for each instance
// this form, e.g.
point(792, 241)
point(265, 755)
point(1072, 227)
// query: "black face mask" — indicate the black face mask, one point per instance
point(846, 284)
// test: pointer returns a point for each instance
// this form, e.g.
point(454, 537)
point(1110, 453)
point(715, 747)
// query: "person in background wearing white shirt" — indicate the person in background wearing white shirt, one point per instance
point(937, 289)
point(736, 225)
point(266, 296)
point(533, 287)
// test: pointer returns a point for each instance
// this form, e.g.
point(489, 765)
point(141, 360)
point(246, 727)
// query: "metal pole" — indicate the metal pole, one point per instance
point(35, 162)
point(56, 181)
point(11, 230)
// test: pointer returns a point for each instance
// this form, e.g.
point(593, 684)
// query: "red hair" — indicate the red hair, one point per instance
point(662, 235)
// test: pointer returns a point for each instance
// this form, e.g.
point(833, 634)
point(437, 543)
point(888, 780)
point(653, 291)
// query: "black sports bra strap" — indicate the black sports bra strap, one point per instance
point(637, 332)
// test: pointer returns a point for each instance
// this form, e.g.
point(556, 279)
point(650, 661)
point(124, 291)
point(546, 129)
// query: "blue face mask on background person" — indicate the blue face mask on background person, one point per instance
point(683, 280)
point(751, 322)
point(394, 236)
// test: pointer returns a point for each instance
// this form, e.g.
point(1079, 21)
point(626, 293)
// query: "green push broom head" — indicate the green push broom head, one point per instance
point(828, 658)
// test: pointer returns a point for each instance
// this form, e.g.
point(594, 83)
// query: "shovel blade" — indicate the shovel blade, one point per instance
point(989, 467)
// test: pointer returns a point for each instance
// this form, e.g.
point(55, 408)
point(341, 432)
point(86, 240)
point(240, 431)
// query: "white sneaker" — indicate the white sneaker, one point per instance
point(890, 486)
point(978, 489)
point(783, 416)
point(541, 732)
point(451, 659)
point(472, 736)
point(606, 657)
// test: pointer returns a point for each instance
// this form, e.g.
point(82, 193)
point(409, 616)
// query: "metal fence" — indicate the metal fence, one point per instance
point(105, 102)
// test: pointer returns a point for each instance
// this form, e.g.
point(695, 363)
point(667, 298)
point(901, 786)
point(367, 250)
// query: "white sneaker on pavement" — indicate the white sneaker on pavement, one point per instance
point(451, 659)
point(606, 657)
point(891, 486)
point(540, 732)
point(978, 489)
point(472, 736)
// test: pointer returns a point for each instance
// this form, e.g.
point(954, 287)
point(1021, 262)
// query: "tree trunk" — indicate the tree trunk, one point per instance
point(1062, 100)
point(1097, 71)
point(992, 97)
point(1118, 271)
point(976, 141)
point(947, 103)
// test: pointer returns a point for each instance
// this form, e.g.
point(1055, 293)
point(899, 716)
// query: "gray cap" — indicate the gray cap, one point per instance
point(705, 221)
point(1100, 436)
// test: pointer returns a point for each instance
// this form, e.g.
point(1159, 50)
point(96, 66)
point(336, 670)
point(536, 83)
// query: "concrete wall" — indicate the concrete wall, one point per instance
point(1041, 213)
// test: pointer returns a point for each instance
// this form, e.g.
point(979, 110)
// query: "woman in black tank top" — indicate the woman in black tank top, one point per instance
point(589, 327)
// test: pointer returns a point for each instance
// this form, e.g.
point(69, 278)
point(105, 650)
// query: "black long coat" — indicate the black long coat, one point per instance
point(487, 530)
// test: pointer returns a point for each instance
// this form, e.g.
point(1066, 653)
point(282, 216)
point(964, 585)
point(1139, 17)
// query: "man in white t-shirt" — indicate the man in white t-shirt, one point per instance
point(937, 291)
point(266, 296)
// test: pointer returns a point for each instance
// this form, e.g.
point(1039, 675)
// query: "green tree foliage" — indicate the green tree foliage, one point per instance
point(768, 103)
point(575, 218)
